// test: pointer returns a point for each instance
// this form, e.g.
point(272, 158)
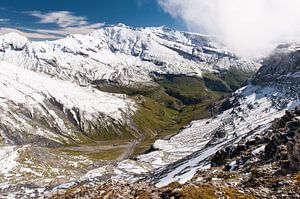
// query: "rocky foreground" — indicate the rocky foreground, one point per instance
point(266, 167)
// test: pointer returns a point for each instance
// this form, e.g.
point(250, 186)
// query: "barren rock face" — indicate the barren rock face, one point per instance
point(295, 154)
point(283, 66)
point(294, 146)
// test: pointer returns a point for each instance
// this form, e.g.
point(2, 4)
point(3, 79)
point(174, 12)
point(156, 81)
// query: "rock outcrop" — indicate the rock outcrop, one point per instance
point(281, 67)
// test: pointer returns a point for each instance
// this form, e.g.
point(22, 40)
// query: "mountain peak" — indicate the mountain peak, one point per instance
point(121, 25)
point(281, 66)
point(15, 40)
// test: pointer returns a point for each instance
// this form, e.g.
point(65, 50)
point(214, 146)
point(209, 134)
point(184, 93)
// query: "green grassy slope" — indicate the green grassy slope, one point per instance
point(165, 107)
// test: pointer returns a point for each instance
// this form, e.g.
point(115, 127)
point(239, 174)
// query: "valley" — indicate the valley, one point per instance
point(132, 105)
point(158, 115)
point(248, 150)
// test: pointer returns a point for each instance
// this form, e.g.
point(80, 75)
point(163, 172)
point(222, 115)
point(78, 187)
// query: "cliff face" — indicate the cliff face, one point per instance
point(283, 66)
point(294, 145)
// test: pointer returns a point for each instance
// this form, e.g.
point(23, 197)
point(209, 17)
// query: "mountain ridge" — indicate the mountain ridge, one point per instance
point(120, 59)
point(154, 81)
point(250, 113)
point(130, 48)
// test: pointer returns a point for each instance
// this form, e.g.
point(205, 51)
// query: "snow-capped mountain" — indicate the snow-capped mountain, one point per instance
point(249, 112)
point(46, 86)
point(120, 53)
point(38, 109)
point(281, 67)
point(48, 95)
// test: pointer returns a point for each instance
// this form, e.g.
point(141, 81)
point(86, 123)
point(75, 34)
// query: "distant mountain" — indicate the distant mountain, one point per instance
point(283, 66)
point(48, 87)
point(123, 54)
point(73, 102)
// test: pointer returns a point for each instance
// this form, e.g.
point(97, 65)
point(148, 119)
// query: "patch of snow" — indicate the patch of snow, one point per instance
point(63, 186)
point(185, 172)
point(8, 159)
point(294, 104)
point(258, 150)
point(233, 165)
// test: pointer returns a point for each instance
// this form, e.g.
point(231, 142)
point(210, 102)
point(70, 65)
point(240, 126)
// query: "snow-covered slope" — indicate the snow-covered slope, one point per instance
point(123, 54)
point(178, 158)
point(259, 106)
point(249, 112)
point(274, 89)
point(35, 108)
point(281, 67)
point(46, 90)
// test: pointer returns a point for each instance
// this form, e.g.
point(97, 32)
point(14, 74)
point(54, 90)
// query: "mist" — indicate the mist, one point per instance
point(251, 28)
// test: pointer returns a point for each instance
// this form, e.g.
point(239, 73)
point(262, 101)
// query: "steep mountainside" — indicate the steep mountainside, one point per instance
point(121, 54)
point(36, 108)
point(266, 166)
point(282, 66)
point(85, 101)
point(225, 139)
point(66, 109)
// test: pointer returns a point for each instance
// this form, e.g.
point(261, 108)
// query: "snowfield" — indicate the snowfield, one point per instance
point(8, 157)
point(180, 157)
point(26, 95)
point(122, 54)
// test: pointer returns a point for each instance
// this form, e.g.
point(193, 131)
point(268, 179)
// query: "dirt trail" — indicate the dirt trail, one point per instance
point(129, 150)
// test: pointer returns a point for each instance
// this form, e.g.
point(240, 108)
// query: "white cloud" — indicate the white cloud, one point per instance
point(66, 21)
point(4, 20)
point(61, 18)
point(31, 35)
point(70, 30)
point(250, 27)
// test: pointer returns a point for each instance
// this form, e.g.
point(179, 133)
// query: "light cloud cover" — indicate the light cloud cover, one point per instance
point(61, 18)
point(4, 20)
point(250, 27)
point(67, 23)
point(72, 30)
point(32, 35)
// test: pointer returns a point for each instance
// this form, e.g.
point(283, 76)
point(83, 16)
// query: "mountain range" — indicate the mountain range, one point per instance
point(165, 102)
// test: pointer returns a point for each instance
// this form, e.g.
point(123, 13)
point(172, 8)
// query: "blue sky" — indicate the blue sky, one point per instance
point(55, 18)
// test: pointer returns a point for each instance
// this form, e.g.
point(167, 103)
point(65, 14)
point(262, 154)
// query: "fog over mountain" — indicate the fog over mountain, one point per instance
point(251, 27)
